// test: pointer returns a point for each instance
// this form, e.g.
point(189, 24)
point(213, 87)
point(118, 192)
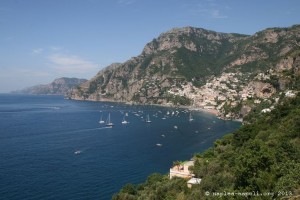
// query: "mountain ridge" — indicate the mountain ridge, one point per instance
point(59, 86)
point(227, 73)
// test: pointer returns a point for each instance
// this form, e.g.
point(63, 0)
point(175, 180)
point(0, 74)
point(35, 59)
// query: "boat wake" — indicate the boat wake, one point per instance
point(89, 129)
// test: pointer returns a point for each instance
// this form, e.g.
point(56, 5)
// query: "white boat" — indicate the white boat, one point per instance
point(77, 152)
point(190, 117)
point(158, 144)
point(108, 122)
point(101, 121)
point(124, 120)
point(148, 119)
point(175, 127)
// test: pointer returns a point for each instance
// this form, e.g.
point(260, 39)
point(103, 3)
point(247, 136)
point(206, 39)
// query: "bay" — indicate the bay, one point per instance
point(53, 148)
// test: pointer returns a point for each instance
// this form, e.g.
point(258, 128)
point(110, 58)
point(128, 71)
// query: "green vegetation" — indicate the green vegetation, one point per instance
point(146, 61)
point(255, 66)
point(93, 87)
point(233, 109)
point(157, 186)
point(263, 156)
point(178, 100)
point(274, 81)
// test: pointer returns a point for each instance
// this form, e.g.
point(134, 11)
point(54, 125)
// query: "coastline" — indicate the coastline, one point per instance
point(214, 112)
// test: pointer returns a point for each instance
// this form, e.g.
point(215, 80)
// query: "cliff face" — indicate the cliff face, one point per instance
point(205, 69)
point(59, 86)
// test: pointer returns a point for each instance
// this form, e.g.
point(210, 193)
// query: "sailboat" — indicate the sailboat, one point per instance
point(148, 119)
point(108, 122)
point(190, 117)
point(101, 121)
point(124, 120)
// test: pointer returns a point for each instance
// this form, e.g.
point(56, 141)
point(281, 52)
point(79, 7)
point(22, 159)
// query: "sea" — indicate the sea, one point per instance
point(54, 148)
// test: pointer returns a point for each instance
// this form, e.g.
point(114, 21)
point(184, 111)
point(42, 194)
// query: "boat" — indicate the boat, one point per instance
point(175, 127)
point(158, 144)
point(124, 120)
point(77, 152)
point(101, 121)
point(108, 122)
point(148, 119)
point(190, 117)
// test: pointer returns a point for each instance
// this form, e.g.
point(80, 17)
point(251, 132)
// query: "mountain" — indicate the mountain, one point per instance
point(59, 86)
point(225, 73)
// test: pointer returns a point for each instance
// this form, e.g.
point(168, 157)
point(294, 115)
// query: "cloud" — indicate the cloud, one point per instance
point(37, 51)
point(217, 15)
point(71, 64)
point(208, 9)
point(56, 48)
point(126, 2)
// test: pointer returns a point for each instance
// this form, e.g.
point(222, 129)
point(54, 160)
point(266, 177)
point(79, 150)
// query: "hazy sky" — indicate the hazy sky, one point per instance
point(41, 40)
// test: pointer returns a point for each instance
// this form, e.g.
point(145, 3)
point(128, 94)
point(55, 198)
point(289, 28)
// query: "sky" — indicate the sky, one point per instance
point(41, 40)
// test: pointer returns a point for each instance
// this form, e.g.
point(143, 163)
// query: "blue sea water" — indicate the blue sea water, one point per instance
point(52, 148)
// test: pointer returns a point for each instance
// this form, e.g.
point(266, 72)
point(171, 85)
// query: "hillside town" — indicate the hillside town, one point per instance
point(220, 94)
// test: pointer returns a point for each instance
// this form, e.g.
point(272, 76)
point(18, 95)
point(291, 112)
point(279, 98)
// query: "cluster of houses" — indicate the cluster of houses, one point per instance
point(214, 94)
point(228, 89)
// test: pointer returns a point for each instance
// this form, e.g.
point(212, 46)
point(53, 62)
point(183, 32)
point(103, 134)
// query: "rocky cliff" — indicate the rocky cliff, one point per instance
point(229, 74)
point(59, 86)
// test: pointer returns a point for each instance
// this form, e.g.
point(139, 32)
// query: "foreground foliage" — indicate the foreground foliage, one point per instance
point(260, 158)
